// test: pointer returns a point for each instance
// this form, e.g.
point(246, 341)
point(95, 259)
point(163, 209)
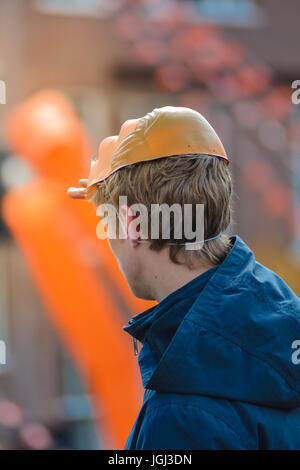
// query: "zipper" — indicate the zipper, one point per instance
point(136, 351)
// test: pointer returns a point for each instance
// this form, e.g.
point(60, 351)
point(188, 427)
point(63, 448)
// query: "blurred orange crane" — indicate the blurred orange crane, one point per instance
point(76, 274)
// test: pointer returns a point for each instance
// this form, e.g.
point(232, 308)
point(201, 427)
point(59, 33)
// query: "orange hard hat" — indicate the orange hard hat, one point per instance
point(163, 132)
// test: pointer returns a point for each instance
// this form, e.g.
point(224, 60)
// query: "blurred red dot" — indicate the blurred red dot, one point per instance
point(208, 56)
point(169, 15)
point(189, 41)
point(277, 199)
point(234, 54)
point(129, 25)
point(253, 79)
point(278, 104)
point(35, 436)
point(257, 175)
point(150, 51)
point(171, 77)
point(11, 414)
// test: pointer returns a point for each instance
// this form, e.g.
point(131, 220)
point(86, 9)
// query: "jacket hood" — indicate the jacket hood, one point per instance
point(236, 338)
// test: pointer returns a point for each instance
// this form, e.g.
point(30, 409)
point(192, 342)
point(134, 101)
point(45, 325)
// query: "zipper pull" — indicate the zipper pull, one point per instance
point(135, 347)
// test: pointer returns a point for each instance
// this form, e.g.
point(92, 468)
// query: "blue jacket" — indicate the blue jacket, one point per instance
point(220, 362)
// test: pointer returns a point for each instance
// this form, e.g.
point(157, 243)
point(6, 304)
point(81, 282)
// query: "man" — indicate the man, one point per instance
point(220, 359)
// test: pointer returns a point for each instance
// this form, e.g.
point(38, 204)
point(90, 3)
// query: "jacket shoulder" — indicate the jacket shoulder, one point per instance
point(173, 421)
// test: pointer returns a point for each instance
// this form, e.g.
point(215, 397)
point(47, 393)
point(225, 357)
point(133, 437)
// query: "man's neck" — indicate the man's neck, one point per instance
point(166, 281)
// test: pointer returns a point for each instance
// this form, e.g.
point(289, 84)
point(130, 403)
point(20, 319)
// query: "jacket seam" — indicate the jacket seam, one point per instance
point(250, 353)
point(149, 409)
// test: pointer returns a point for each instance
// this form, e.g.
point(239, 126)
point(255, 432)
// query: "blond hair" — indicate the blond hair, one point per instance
point(184, 179)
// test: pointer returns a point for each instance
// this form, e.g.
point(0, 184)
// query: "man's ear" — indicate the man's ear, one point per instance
point(130, 225)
